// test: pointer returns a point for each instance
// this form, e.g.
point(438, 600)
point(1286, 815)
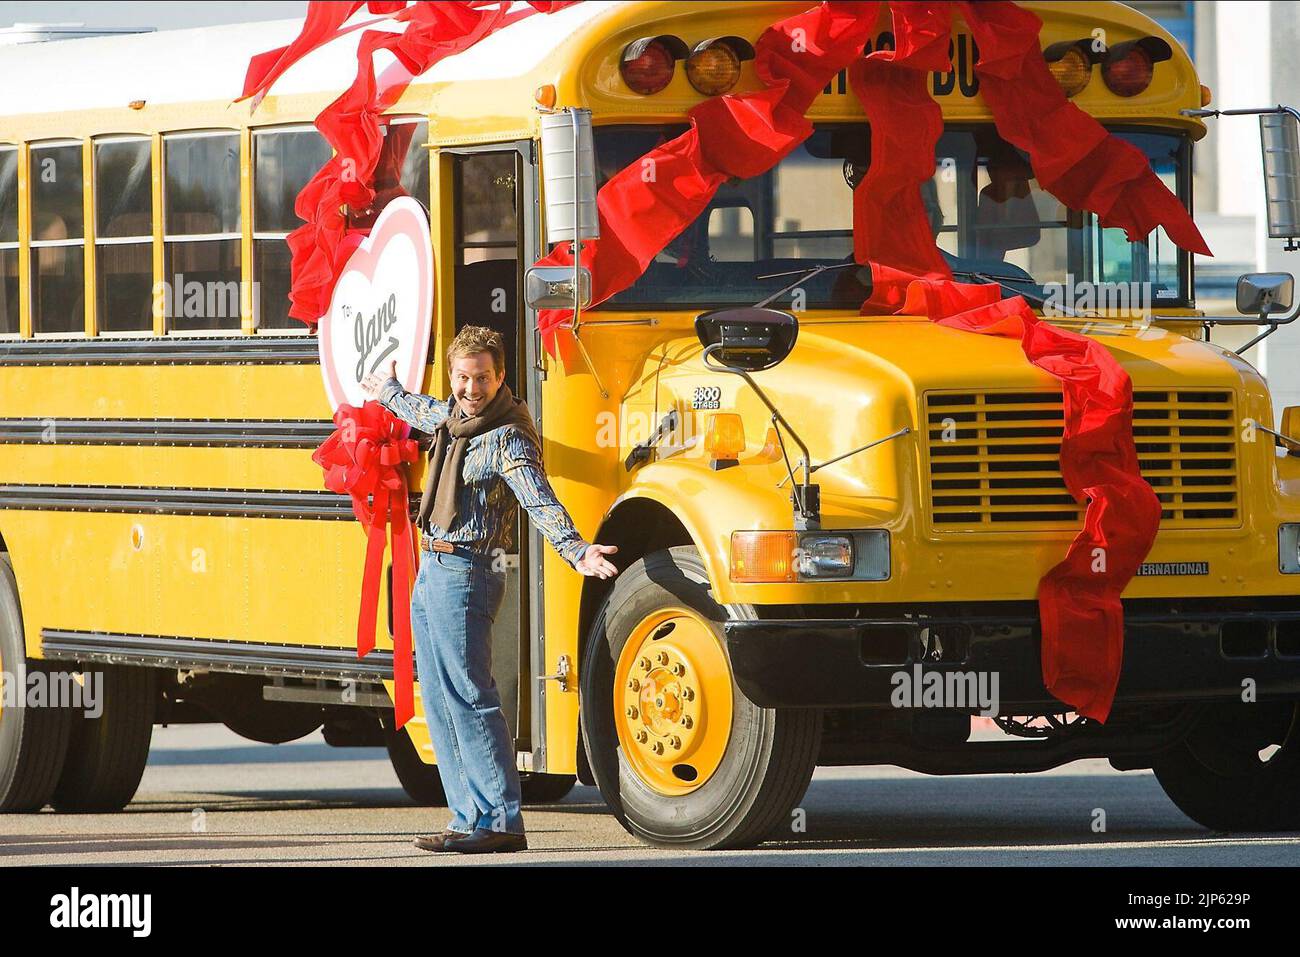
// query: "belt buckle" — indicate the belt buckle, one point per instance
point(438, 545)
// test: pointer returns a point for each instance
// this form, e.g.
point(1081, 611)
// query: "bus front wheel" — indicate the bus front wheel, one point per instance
point(1238, 769)
point(680, 755)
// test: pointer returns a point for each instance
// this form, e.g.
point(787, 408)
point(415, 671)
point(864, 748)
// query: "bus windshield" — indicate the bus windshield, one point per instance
point(985, 207)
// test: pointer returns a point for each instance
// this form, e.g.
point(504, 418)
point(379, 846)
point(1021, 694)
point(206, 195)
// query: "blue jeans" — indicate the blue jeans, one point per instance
point(456, 600)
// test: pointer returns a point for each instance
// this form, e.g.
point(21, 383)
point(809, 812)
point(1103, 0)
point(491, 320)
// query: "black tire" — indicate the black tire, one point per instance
point(107, 754)
point(33, 741)
point(1217, 778)
point(421, 782)
point(541, 788)
point(770, 753)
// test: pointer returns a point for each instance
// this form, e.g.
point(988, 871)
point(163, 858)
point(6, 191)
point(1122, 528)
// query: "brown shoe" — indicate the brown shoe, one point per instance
point(485, 841)
point(437, 842)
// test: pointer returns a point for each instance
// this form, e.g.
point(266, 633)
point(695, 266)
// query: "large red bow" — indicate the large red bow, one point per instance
point(364, 458)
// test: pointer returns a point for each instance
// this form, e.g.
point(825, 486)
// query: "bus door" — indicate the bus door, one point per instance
point(495, 237)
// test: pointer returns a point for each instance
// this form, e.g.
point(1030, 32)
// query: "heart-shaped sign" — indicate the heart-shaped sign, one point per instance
point(382, 307)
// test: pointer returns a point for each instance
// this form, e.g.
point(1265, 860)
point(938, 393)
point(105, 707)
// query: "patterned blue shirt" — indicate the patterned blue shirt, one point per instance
point(498, 462)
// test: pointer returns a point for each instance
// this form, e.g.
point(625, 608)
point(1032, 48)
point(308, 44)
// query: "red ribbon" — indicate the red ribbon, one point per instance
point(364, 458)
point(647, 205)
point(744, 135)
point(1079, 598)
point(352, 123)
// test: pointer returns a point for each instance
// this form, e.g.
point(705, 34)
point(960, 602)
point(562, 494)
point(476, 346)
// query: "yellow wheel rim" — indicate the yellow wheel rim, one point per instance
point(672, 701)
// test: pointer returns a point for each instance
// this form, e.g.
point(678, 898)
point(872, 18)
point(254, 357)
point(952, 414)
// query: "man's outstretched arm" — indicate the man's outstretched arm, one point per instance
point(521, 467)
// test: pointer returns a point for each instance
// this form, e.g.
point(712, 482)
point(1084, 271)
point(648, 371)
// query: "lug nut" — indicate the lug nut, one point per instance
point(658, 747)
point(678, 669)
point(633, 684)
point(687, 721)
point(663, 657)
point(676, 742)
point(688, 694)
point(644, 664)
point(641, 737)
point(631, 712)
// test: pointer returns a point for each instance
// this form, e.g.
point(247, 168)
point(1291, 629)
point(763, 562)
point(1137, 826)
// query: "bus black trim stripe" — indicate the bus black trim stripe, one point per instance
point(162, 350)
point(246, 433)
point(214, 654)
point(237, 502)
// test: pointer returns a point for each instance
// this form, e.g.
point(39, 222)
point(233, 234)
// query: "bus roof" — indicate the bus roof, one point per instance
point(188, 79)
point(209, 63)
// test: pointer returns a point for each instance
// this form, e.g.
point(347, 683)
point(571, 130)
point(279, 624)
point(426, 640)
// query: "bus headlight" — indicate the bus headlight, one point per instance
point(787, 556)
point(1288, 549)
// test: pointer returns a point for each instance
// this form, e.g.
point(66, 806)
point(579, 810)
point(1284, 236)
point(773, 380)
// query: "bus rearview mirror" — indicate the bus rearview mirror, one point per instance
point(569, 176)
point(1263, 293)
point(1279, 138)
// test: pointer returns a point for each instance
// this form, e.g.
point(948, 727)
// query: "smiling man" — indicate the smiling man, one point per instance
point(484, 444)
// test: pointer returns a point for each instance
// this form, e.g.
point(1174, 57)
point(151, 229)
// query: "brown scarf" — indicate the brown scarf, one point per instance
point(443, 483)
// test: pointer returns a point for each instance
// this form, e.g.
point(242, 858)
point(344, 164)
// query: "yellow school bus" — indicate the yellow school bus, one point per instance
point(165, 531)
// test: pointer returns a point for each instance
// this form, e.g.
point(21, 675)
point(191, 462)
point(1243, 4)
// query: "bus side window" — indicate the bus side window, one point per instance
point(201, 230)
point(58, 256)
point(8, 240)
point(284, 161)
point(487, 248)
point(124, 235)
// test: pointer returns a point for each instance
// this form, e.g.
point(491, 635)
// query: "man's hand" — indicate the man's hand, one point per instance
point(593, 561)
point(373, 384)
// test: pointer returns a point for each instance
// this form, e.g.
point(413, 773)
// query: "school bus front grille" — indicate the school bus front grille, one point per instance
point(993, 459)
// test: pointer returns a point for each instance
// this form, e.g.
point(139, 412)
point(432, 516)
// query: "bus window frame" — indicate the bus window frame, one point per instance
point(33, 147)
point(16, 245)
point(93, 186)
point(207, 132)
point(255, 235)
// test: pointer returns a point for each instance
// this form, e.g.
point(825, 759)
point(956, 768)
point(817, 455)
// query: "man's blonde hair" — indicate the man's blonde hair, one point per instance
point(474, 339)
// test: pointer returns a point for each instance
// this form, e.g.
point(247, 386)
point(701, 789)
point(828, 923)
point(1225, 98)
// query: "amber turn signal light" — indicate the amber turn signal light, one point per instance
point(763, 556)
point(1072, 71)
point(714, 65)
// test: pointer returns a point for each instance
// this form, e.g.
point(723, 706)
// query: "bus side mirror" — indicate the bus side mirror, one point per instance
point(551, 287)
point(1263, 293)
point(749, 337)
point(1279, 141)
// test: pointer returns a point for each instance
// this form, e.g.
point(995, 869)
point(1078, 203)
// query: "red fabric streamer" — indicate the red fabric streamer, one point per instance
point(364, 458)
point(889, 220)
point(1073, 156)
point(352, 123)
point(648, 204)
point(744, 135)
point(1079, 598)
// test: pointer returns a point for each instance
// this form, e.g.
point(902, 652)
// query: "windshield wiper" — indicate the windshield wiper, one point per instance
point(984, 278)
point(803, 274)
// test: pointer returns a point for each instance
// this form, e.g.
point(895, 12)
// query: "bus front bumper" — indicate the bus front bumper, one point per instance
point(1198, 651)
